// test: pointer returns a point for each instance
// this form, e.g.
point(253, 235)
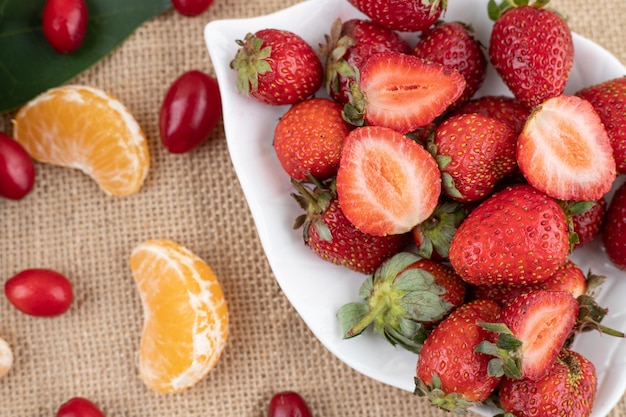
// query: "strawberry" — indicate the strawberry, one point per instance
point(506, 109)
point(453, 44)
point(565, 152)
point(516, 236)
point(328, 233)
point(532, 50)
point(450, 372)
point(402, 92)
point(614, 228)
point(533, 328)
point(407, 15)
point(308, 139)
point(609, 100)
point(432, 237)
point(386, 183)
point(588, 223)
point(568, 389)
point(347, 48)
point(277, 67)
point(474, 152)
point(403, 300)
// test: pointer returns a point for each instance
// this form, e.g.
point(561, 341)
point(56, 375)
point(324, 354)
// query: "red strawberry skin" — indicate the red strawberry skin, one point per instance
point(402, 15)
point(404, 92)
point(504, 108)
point(516, 236)
point(349, 247)
point(609, 101)
point(532, 50)
point(614, 228)
point(453, 44)
point(474, 152)
point(277, 67)
point(570, 387)
point(449, 352)
point(308, 139)
point(366, 37)
point(542, 321)
point(587, 225)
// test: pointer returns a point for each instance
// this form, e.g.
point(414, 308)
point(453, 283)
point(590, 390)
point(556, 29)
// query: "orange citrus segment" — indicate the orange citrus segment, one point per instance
point(185, 315)
point(6, 357)
point(85, 128)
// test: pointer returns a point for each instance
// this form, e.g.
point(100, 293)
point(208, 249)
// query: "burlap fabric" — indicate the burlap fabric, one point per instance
point(69, 225)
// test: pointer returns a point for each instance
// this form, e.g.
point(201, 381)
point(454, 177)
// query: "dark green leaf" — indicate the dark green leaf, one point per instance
point(29, 65)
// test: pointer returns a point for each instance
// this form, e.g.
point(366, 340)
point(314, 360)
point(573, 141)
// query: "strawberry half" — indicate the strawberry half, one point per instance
point(402, 92)
point(386, 183)
point(532, 331)
point(564, 150)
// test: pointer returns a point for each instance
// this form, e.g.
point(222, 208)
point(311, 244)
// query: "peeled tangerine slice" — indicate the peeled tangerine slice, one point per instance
point(6, 358)
point(85, 128)
point(185, 315)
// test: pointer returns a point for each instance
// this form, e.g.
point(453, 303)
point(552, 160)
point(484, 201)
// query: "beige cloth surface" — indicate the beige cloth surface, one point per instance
point(69, 225)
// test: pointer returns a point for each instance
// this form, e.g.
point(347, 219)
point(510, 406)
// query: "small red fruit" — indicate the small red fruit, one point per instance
point(504, 108)
point(39, 292)
point(191, 7)
point(614, 228)
point(65, 24)
point(288, 404)
point(79, 407)
point(403, 15)
point(190, 111)
point(17, 170)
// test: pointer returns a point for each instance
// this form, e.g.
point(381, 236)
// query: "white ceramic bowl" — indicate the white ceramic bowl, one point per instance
point(316, 288)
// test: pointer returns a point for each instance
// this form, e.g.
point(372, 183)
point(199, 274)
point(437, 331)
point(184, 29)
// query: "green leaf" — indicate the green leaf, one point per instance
point(29, 65)
point(350, 315)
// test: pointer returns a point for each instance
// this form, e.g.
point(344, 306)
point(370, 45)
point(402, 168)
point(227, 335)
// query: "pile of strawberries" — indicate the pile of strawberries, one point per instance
point(461, 210)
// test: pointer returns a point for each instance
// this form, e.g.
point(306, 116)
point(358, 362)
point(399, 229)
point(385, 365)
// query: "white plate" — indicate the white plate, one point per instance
point(316, 288)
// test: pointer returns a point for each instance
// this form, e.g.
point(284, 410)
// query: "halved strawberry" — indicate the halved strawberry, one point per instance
point(564, 150)
point(386, 183)
point(403, 92)
point(533, 329)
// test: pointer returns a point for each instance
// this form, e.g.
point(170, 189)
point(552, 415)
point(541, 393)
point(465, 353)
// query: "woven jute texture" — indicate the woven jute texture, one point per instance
point(69, 225)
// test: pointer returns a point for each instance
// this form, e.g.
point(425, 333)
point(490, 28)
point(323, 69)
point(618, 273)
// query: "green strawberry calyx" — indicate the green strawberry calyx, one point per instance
point(495, 9)
point(453, 401)
point(314, 200)
point(335, 49)
point(250, 62)
point(398, 303)
point(436, 232)
point(506, 352)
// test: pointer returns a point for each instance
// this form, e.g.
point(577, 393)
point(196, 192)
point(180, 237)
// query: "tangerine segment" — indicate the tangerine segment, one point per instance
point(85, 128)
point(185, 315)
point(6, 357)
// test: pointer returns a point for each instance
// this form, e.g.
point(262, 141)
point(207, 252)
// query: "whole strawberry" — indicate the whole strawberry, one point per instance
point(532, 50)
point(516, 236)
point(348, 47)
point(609, 100)
point(277, 67)
point(331, 236)
point(308, 139)
point(569, 389)
point(587, 224)
point(403, 300)
point(474, 152)
point(450, 372)
point(614, 228)
point(454, 44)
point(402, 15)
point(504, 108)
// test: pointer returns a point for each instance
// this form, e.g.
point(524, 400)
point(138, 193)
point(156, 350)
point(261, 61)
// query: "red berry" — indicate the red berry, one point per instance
point(17, 171)
point(39, 292)
point(288, 404)
point(614, 228)
point(65, 24)
point(79, 407)
point(191, 7)
point(190, 111)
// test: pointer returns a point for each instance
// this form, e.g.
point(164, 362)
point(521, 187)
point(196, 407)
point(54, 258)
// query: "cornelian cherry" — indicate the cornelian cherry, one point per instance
point(39, 292)
point(17, 170)
point(191, 7)
point(65, 24)
point(79, 407)
point(288, 404)
point(190, 111)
